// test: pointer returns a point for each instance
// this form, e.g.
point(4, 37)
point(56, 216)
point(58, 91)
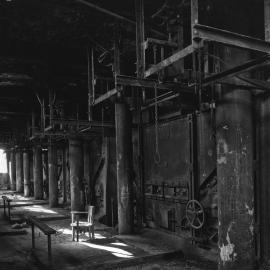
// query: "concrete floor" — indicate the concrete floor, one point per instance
point(150, 249)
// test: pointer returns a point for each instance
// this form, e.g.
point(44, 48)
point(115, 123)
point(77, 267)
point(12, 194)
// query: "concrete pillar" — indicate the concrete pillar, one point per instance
point(76, 174)
point(45, 174)
point(53, 181)
point(264, 185)
point(124, 167)
point(264, 158)
point(234, 125)
point(64, 174)
point(26, 173)
point(86, 166)
point(13, 170)
point(19, 171)
point(8, 169)
point(37, 170)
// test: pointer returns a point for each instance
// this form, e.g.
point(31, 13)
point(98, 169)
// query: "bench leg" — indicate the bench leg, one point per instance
point(49, 248)
point(4, 208)
point(73, 233)
point(93, 231)
point(9, 211)
point(33, 235)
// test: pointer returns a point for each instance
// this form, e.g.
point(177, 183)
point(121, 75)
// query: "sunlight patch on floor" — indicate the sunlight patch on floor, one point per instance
point(39, 209)
point(119, 244)
point(118, 252)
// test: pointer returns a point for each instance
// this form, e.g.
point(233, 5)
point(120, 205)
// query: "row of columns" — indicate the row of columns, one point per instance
point(19, 170)
point(79, 157)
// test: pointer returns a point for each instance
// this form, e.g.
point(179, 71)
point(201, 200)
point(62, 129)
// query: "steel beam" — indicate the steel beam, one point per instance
point(170, 60)
point(105, 96)
point(148, 83)
point(115, 15)
point(238, 70)
point(230, 38)
point(160, 42)
point(82, 123)
point(259, 84)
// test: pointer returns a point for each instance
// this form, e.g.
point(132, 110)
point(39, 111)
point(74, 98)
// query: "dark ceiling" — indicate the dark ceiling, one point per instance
point(44, 43)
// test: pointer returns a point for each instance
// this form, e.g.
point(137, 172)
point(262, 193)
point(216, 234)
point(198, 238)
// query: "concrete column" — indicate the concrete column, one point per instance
point(13, 170)
point(19, 171)
point(124, 166)
point(8, 169)
point(53, 181)
point(235, 175)
point(264, 158)
point(37, 170)
point(86, 166)
point(64, 173)
point(26, 173)
point(264, 185)
point(76, 174)
point(45, 174)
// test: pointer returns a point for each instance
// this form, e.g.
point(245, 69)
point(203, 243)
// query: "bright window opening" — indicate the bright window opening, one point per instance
point(3, 161)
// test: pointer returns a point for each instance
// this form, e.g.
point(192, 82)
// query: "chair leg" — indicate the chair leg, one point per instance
point(77, 234)
point(93, 231)
point(73, 234)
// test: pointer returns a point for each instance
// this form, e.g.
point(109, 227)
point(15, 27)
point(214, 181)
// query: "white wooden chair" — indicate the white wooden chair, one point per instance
point(77, 223)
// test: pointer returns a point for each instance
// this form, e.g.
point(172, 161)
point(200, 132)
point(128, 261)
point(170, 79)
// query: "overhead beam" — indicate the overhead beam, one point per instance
point(105, 96)
point(115, 15)
point(253, 64)
point(82, 123)
point(170, 60)
point(148, 83)
point(264, 85)
point(160, 42)
point(230, 38)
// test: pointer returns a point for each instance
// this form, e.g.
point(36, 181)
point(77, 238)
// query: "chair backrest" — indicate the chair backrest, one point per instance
point(90, 218)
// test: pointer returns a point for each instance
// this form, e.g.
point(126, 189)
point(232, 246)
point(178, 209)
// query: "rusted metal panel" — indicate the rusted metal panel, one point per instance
point(206, 146)
point(167, 183)
point(174, 148)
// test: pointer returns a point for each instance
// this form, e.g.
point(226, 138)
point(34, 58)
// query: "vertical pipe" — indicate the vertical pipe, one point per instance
point(86, 166)
point(64, 170)
point(140, 53)
point(53, 181)
point(124, 167)
point(19, 171)
point(235, 174)
point(76, 174)
point(37, 171)
point(45, 173)
point(26, 173)
point(91, 82)
point(140, 36)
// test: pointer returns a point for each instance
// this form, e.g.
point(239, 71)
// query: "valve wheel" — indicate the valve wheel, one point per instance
point(195, 214)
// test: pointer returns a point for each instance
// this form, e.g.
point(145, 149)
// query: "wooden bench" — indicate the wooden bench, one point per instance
point(44, 228)
point(6, 202)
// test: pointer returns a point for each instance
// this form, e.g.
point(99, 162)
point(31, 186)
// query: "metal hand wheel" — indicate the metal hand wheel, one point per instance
point(195, 214)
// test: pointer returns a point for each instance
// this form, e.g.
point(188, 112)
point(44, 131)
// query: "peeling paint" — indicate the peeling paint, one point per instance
point(251, 228)
point(227, 253)
point(222, 160)
point(249, 210)
point(222, 150)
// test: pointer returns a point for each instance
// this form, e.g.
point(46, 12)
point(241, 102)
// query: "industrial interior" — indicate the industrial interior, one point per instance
point(134, 134)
